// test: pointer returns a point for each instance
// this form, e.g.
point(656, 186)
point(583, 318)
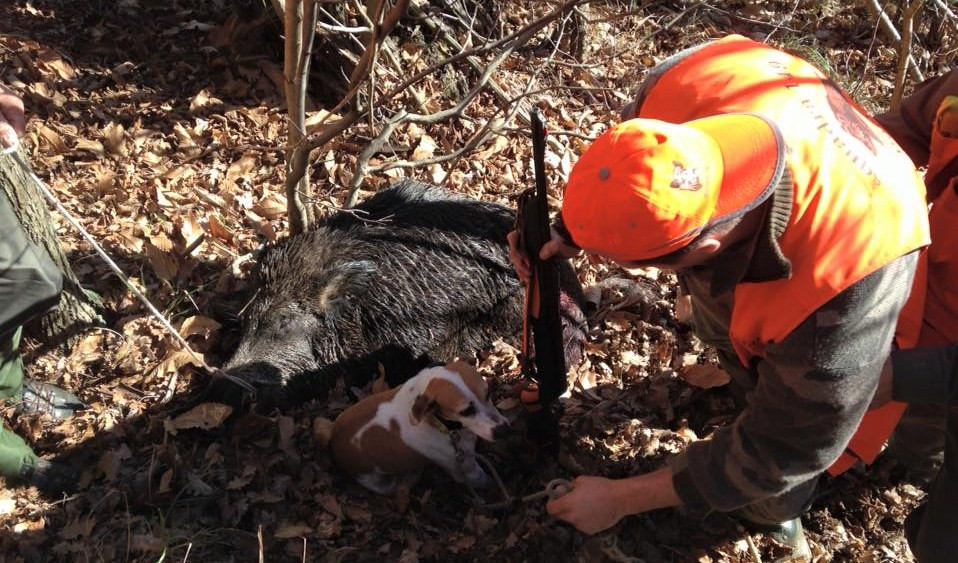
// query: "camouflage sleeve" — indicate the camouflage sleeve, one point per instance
point(811, 392)
point(925, 375)
point(911, 124)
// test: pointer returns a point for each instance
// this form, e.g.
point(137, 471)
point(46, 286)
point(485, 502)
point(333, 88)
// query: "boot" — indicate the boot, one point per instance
point(789, 534)
point(21, 466)
point(44, 398)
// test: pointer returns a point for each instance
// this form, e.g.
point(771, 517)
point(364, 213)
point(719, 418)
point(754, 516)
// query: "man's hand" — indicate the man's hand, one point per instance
point(592, 505)
point(12, 123)
point(557, 246)
point(595, 503)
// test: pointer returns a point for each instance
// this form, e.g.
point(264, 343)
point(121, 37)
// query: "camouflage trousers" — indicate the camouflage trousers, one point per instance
point(30, 284)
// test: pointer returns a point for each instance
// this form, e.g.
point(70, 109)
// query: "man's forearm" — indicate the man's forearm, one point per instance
point(650, 491)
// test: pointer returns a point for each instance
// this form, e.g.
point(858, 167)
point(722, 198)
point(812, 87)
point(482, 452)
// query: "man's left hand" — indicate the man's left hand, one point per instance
point(12, 123)
point(595, 503)
point(592, 505)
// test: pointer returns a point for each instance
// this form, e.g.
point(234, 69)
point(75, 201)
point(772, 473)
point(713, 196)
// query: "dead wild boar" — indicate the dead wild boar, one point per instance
point(412, 275)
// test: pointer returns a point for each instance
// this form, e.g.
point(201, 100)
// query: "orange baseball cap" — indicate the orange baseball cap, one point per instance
point(646, 187)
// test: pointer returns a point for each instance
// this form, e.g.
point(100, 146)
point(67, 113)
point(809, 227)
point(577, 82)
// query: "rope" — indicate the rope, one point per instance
point(608, 540)
point(12, 150)
point(553, 489)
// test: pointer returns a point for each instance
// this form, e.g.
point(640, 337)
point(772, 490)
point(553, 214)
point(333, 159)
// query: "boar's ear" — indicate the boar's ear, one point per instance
point(341, 281)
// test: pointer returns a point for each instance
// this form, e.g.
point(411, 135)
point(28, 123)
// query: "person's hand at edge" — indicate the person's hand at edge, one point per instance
point(557, 246)
point(12, 121)
point(594, 504)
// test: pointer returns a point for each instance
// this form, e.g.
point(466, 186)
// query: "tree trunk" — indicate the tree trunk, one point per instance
point(77, 308)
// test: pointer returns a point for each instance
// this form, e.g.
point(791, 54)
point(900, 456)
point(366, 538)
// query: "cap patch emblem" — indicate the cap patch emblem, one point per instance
point(685, 178)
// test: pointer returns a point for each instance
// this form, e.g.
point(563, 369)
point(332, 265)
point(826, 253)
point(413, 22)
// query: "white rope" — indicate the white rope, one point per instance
point(12, 150)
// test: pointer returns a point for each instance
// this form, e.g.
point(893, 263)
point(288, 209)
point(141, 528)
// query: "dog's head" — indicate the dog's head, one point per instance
point(456, 392)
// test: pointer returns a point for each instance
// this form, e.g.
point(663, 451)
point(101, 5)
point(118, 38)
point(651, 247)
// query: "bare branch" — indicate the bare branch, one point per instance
point(878, 11)
point(904, 51)
point(519, 36)
point(297, 178)
point(374, 146)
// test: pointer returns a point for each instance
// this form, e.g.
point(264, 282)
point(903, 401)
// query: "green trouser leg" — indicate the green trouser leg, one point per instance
point(11, 366)
point(14, 452)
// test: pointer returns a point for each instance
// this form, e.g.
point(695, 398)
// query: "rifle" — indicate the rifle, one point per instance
point(545, 367)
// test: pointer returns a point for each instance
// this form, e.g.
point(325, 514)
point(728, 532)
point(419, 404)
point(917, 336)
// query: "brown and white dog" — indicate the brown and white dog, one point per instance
point(388, 438)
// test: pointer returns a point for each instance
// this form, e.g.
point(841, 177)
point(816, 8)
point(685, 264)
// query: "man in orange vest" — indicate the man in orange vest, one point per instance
point(926, 127)
point(794, 223)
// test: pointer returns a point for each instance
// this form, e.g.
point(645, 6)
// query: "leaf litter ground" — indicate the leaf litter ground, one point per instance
point(158, 123)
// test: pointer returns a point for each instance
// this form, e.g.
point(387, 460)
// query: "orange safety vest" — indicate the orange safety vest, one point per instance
point(858, 201)
point(940, 319)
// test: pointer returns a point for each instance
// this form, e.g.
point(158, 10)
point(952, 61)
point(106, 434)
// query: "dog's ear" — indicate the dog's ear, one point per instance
point(423, 405)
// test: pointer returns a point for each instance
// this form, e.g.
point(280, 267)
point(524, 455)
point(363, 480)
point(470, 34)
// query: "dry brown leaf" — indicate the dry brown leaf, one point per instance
point(184, 137)
point(357, 514)
point(54, 138)
point(8, 506)
point(147, 542)
point(630, 358)
point(86, 350)
point(174, 360)
point(199, 324)
point(200, 100)
point(218, 230)
point(238, 169)
point(190, 227)
point(330, 505)
point(104, 180)
point(498, 145)
point(165, 481)
point(287, 428)
point(322, 430)
point(111, 461)
point(42, 90)
point(273, 206)
point(683, 308)
point(436, 173)
point(242, 480)
point(128, 241)
point(204, 415)
point(162, 242)
point(113, 139)
point(425, 149)
point(165, 264)
point(287, 530)
point(50, 60)
point(314, 118)
point(81, 527)
point(87, 145)
point(705, 376)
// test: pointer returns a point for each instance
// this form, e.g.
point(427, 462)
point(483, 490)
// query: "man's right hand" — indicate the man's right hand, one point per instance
point(557, 246)
point(12, 122)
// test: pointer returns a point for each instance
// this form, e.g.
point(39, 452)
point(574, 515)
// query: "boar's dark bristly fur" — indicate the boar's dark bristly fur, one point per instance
point(411, 275)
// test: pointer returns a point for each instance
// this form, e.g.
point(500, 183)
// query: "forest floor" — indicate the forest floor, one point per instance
point(157, 122)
